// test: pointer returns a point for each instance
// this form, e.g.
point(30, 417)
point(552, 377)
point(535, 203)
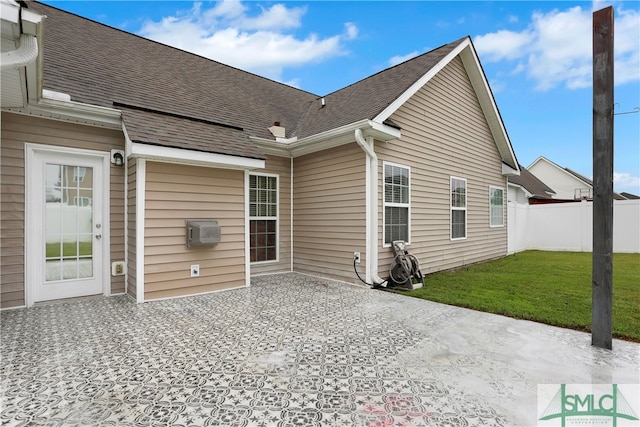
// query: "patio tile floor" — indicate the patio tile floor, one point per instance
point(291, 350)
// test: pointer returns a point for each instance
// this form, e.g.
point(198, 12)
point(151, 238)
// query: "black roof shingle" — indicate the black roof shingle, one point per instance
point(100, 65)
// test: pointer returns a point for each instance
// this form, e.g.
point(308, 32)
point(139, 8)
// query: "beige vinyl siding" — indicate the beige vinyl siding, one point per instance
point(173, 194)
point(280, 166)
point(329, 212)
point(16, 131)
point(132, 166)
point(11, 219)
point(444, 134)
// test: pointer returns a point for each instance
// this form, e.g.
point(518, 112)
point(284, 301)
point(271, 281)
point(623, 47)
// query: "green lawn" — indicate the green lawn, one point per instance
point(68, 249)
point(546, 287)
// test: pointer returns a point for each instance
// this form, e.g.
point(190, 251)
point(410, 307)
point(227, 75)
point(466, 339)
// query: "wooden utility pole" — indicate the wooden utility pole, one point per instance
point(602, 269)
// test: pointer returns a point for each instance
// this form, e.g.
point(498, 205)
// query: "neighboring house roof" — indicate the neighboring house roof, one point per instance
point(154, 83)
point(629, 196)
point(583, 179)
point(536, 188)
point(580, 177)
point(586, 180)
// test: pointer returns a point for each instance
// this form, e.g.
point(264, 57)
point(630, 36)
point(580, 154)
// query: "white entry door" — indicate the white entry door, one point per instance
point(66, 232)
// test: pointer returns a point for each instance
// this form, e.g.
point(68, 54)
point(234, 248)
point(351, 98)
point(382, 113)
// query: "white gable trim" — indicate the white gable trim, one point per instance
point(560, 168)
point(393, 107)
point(479, 82)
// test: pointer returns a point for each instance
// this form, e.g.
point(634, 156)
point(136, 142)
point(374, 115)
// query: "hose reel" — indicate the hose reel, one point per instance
point(405, 270)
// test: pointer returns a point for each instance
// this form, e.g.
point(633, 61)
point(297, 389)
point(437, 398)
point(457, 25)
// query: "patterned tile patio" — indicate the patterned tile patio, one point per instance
point(291, 350)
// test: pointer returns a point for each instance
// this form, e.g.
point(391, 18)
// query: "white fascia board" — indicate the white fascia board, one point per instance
point(509, 171)
point(322, 141)
point(271, 147)
point(30, 22)
point(75, 112)
point(10, 13)
point(393, 107)
point(524, 190)
point(343, 135)
point(189, 157)
point(479, 82)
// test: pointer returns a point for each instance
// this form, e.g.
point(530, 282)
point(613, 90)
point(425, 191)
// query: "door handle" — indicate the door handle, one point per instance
point(98, 236)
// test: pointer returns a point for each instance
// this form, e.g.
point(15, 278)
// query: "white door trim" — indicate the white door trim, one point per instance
point(32, 271)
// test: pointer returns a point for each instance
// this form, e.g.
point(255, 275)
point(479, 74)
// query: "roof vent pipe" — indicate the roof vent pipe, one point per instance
point(23, 55)
point(322, 102)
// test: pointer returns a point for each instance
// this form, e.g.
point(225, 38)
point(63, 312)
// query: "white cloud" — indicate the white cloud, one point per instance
point(502, 45)
point(351, 31)
point(261, 43)
point(277, 17)
point(626, 182)
point(398, 59)
point(556, 47)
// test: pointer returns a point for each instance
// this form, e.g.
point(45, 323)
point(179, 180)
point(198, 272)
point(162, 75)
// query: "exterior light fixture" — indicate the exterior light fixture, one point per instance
point(117, 157)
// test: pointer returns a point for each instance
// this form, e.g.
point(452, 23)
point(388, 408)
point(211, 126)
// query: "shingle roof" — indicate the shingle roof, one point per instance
point(537, 188)
point(161, 128)
point(100, 65)
point(629, 196)
point(367, 98)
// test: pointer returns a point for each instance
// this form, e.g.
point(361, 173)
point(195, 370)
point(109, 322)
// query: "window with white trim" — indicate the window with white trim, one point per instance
point(496, 207)
point(458, 208)
point(396, 202)
point(263, 218)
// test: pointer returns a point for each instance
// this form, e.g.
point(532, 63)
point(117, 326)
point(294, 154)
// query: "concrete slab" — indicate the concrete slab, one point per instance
point(291, 350)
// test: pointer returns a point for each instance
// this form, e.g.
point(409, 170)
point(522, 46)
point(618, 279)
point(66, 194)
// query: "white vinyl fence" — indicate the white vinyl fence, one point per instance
point(568, 226)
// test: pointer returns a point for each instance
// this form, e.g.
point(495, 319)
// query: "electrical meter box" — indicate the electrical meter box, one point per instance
point(202, 232)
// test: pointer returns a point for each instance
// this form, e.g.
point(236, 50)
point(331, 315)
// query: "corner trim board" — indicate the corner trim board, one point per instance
point(141, 172)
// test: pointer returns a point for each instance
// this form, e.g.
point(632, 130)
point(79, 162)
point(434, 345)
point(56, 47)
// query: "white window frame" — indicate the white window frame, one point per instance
point(491, 224)
point(269, 218)
point(399, 205)
point(456, 208)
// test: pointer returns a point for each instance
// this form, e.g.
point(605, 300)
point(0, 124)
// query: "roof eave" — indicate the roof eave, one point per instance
point(164, 154)
point(329, 139)
point(527, 193)
point(75, 112)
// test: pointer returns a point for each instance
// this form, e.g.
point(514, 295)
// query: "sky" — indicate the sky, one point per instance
point(536, 56)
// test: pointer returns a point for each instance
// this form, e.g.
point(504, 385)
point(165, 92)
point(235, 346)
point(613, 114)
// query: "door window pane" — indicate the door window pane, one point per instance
point(68, 222)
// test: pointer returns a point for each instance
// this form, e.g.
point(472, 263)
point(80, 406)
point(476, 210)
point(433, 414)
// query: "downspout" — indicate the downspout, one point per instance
point(22, 56)
point(372, 208)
